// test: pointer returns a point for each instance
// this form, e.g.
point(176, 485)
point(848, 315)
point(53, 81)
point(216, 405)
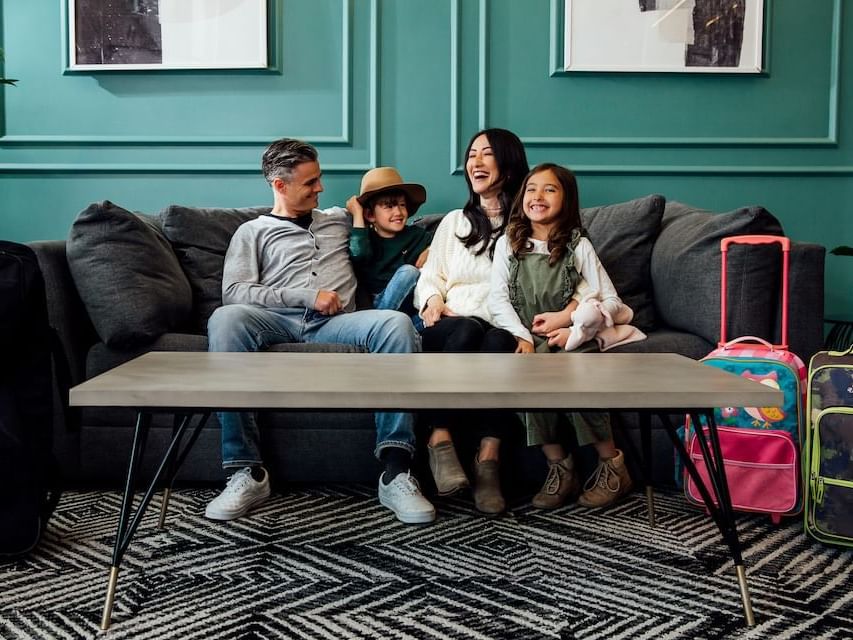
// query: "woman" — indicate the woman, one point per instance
point(452, 297)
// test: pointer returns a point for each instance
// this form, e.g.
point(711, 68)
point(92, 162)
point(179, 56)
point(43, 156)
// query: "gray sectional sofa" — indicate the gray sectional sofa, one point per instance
point(123, 284)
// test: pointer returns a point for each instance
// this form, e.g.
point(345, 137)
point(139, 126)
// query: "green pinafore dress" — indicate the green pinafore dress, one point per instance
point(536, 287)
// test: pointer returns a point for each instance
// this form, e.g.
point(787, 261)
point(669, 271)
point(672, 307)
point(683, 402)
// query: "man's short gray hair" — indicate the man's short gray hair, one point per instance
point(283, 155)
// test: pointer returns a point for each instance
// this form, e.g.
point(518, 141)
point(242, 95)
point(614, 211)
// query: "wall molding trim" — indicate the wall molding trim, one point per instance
point(345, 137)
point(557, 18)
point(122, 168)
point(715, 170)
point(455, 61)
point(156, 141)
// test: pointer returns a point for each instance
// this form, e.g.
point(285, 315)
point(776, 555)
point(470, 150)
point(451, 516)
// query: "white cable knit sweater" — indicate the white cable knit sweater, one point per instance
point(454, 272)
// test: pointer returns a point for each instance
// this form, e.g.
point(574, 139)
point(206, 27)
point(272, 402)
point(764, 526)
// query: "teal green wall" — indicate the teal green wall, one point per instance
point(406, 82)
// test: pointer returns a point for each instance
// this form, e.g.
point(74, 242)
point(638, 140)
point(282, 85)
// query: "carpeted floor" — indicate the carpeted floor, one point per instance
point(329, 562)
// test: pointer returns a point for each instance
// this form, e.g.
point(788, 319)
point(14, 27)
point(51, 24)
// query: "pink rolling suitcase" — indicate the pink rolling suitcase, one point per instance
point(760, 445)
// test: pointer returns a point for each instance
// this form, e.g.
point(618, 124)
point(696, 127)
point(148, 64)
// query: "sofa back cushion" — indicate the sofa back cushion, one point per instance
point(686, 272)
point(128, 277)
point(428, 221)
point(200, 238)
point(623, 236)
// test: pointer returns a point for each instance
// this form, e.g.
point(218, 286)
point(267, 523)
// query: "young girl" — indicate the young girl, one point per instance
point(550, 291)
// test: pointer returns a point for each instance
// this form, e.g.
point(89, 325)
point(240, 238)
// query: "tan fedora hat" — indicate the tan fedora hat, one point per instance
point(383, 179)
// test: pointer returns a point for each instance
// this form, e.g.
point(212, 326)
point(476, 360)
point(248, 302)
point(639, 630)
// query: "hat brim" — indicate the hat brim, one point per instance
point(415, 194)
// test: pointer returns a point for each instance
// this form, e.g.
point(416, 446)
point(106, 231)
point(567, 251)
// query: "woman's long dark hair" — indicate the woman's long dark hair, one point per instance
point(512, 165)
point(519, 229)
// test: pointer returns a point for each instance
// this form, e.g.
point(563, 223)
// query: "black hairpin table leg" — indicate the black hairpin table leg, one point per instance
point(645, 456)
point(719, 506)
point(646, 444)
point(181, 422)
point(126, 525)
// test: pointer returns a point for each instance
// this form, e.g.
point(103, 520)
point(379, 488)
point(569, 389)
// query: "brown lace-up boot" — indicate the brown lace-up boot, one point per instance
point(560, 485)
point(607, 484)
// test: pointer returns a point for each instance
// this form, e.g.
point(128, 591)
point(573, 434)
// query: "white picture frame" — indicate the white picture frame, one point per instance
point(126, 35)
point(661, 36)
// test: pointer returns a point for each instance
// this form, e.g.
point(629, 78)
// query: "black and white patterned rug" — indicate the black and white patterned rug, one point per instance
point(329, 562)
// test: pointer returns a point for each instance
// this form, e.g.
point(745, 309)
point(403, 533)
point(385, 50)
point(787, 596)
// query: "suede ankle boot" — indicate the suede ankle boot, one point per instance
point(487, 487)
point(446, 470)
point(609, 482)
point(561, 484)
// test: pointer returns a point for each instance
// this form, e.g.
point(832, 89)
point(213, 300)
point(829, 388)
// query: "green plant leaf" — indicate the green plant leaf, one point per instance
point(842, 251)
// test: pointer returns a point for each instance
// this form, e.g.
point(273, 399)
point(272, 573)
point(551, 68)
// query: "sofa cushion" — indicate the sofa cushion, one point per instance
point(686, 271)
point(102, 358)
point(623, 236)
point(428, 221)
point(200, 238)
point(127, 275)
point(668, 341)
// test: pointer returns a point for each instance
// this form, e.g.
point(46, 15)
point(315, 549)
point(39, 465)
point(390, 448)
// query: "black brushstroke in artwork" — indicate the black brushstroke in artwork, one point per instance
point(718, 34)
point(717, 31)
point(118, 32)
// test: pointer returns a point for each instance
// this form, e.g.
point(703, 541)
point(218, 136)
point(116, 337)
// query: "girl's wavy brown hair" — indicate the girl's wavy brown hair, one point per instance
point(519, 229)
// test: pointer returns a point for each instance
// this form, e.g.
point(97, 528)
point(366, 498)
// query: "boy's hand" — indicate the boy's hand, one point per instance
point(558, 338)
point(355, 209)
point(328, 303)
point(524, 346)
point(434, 310)
point(421, 261)
point(546, 323)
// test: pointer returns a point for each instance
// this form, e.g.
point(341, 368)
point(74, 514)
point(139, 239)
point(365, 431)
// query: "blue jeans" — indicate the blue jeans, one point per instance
point(243, 327)
point(398, 294)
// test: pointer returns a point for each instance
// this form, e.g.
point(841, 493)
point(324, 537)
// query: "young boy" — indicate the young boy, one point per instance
point(389, 254)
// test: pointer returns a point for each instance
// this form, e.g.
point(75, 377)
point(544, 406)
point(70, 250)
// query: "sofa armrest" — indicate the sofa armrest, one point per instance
point(66, 312)
point(805, 304)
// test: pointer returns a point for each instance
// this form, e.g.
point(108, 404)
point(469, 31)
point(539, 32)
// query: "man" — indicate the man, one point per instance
point(288, 278)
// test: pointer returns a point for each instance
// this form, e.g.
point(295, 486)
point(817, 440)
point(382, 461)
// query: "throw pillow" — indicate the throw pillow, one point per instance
point(200, 238)
point(686, 269)
point(127, 275)
point(623, 236)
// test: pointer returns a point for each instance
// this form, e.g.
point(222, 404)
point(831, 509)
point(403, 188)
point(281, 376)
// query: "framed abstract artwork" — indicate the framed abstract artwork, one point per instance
point(687, 36)
point(122, 35)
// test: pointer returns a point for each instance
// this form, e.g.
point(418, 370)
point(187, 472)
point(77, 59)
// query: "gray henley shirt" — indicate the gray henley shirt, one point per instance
point(273, 262)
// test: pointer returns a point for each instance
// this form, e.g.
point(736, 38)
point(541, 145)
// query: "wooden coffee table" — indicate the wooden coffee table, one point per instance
point(192, 385)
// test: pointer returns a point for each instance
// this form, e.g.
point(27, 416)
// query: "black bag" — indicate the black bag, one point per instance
point(28, 472)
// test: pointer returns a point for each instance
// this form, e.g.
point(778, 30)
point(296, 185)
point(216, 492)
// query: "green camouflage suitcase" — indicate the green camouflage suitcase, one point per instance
point(829, 448)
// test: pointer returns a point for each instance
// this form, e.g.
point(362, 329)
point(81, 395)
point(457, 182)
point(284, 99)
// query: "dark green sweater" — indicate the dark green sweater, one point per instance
point(376, 258)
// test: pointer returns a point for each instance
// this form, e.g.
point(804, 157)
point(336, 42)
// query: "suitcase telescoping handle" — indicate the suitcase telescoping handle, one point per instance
point(786, 250)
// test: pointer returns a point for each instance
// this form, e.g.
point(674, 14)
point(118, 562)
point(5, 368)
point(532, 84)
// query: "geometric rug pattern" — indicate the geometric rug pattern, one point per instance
point(328, 562)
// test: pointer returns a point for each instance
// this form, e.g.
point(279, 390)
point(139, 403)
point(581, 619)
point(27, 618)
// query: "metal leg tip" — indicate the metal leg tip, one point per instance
point(164, 506)
point(744, 596)
point(108, 603)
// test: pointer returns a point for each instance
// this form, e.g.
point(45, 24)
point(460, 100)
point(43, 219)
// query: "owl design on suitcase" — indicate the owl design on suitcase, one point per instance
point(764, 417)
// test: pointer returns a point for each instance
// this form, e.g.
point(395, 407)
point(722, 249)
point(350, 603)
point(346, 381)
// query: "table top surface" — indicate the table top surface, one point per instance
point(275, 380)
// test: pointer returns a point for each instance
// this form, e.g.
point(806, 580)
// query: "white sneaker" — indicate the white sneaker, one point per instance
point(403, 496)
point(241, 493)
